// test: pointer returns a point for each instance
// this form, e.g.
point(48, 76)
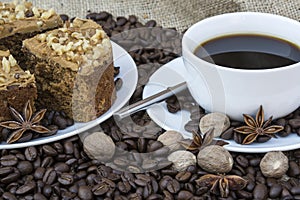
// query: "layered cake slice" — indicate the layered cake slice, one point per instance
point(16, 86)
point(74, 70)
point(20, 20)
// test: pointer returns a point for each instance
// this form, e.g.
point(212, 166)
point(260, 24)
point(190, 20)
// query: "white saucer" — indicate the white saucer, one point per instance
point(171, 74)
point(129, 76)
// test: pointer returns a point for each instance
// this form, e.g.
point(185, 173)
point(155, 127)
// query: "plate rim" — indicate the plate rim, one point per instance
point(93, 123)
point(237, 147)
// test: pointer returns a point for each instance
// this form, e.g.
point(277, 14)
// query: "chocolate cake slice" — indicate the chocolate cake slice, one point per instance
point(73, 67)
point(16, 86)
point(20, 20)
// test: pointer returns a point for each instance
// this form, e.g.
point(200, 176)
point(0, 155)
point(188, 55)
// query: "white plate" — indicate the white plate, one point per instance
point(171, 74)
point(129, 75)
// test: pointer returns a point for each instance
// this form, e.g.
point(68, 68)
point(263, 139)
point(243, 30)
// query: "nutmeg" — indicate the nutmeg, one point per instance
point(274, 164)
point(215, 159)
point(182, 160)
point(171, 139)
point(218, 121)
point(99, 146)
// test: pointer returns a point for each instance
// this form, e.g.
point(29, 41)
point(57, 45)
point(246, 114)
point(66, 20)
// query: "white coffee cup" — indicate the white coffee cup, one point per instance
point(238, 91)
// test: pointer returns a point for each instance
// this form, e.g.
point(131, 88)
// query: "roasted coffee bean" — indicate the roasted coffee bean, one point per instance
point(47, 162)
point(281, 122)
point(170, 172)
point(69, 147)
point(190, 187)
point(118, 83)
point(20, 156)
point(161, 152)
point(132, 19)
point(10, 178)
point(64, 17)
point(39, 196)
point(151, 23)
point(66, 179)
point(31, 153)
point(153, 146)
point(260, 178)
point(142, 145)
point(271, 182)
point(49, 176)
point(100, 189)
point(286, 195)
point(60, 121)
point(237, 138)
point(134, 168)
point(121, 21)
point(294, 123)
point(260, 191)
point(84, 192)
point(228, 134)
point(243, 194)
point(116, 71)
point(26, 137)
point(173, 186)
point(192, 126)
point(275, 191)
point(140, 182)
point(242, 161)
point(80, 175)
point(295, 190)
point(67, 195)
point(254, 161)
point(164, 164)
point(103, 16)
point(8, 160)
point(84, 166)
point(5, 133)
point(183, 195)
point(9, 196)
point(183, 176)
point(28, 187)
point(70, 122)
point(25, 167)
point(61, 167)
point(173, 108)
point(294, 169)
point(39, 173)
point(262, 139)
point(124, 187)
point(4, 171)
point(149, 164)
point(53, 130)
point(47, 190)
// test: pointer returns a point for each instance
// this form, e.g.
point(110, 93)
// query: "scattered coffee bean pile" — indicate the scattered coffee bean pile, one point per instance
point(62, 170)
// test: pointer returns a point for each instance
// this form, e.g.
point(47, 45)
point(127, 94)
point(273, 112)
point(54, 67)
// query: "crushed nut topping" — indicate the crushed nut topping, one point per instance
point(7, 63)
point(8, 70)
point(18, 9)
point(81, 46)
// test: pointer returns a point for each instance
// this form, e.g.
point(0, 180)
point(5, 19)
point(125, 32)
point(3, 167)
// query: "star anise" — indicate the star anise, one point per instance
point(24, 122)
point(200, 141)
point(221, 184)
point(256, 127)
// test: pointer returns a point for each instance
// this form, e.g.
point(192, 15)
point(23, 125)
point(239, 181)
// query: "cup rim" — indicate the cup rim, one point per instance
point(219, 67)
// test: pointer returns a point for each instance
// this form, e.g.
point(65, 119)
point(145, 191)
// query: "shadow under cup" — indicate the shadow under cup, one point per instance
point(238, 91)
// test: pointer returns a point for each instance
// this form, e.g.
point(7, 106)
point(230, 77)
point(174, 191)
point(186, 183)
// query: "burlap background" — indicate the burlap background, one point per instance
point(172, 13)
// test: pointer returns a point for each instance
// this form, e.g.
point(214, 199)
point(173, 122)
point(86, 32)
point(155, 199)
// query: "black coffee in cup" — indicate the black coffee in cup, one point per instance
point(249, 51)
